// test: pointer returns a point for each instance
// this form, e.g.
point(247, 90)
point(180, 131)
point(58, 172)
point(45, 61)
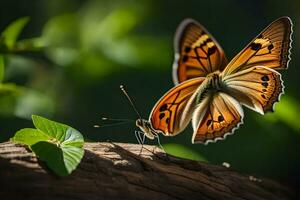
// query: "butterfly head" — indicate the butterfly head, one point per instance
point(146, 128)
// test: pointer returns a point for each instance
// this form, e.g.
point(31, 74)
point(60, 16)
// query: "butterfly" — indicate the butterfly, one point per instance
point(209, 91)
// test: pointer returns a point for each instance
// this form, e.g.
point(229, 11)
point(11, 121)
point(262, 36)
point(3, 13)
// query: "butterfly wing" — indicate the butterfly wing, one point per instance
point(217, 116)
point(251, 77)
point(258, 88)
point(173, 111)
point(271, 48)
point(197, 53)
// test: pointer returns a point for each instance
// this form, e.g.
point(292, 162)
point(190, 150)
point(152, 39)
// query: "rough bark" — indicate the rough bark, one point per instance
point(116, 171)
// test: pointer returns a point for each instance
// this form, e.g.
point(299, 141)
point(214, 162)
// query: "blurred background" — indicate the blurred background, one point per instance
point(72, 55)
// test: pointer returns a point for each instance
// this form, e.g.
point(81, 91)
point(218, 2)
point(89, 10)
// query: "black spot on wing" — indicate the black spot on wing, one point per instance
point(265, 78)
point(185, 58)
point(270, 47)
point(163, 107)
point(161, 115)
point(211, 50)
point(265, 84)
point(168, 120)
point(255, 46)
point(220, 118)
point(187, 49)
point(208, 40)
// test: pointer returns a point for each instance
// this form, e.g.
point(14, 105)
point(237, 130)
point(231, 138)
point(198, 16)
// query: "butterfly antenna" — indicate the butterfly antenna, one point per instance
point(113, 122)
point(116, 119)
point(130, 101)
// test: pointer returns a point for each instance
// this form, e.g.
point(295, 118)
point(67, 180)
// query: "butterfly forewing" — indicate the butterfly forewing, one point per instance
point(216, 116)
point(173, 111)
point(271, 48)
point(197, 53)
point(257, 88)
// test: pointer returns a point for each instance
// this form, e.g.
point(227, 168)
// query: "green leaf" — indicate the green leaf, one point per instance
point(55, 130)
point(10, 88)
point(31, 44)
point(72, 156)
point(72, 138)
point(57, 144)
point(69, 140)
point(2, 68)
point(52, 156)
point(29, 136)
point(13, 30)
point(61, 160)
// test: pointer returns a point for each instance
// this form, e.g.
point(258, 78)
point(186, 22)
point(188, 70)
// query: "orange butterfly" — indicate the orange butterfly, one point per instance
point(210, 91)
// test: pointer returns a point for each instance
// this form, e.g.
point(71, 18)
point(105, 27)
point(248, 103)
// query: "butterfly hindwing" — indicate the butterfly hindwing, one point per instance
point(173, 111)
point(258, 88)
point(271, 48)
point(197, 53)
point(216, 117)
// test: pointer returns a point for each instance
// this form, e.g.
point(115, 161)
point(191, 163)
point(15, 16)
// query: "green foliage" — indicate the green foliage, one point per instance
point(1, 68)
point(9, 94)
point(95, 41)
point(30, 136)
point(14, 99)
point(12, 32)
point(286, 111)
point(183, 152)
point(58, 145)
point(32, 101)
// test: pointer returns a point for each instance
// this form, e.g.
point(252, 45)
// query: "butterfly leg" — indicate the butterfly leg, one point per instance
point(140, 139)
point(137, 136)
point(143, 141)
point(160, 145)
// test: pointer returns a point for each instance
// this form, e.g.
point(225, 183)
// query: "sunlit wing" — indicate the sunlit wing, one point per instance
point(197, 53)
point(217, 116)
point(258, 88)
point(173, 111)
point(271, 48)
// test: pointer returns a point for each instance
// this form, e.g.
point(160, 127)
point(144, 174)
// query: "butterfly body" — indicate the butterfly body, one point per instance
point(210, 92)
point(145, 126)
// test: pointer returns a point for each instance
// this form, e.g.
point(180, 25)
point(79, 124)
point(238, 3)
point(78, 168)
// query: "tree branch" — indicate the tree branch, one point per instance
point(116, 171)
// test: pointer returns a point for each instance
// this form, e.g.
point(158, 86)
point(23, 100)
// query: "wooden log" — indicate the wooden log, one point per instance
point(117, 171)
